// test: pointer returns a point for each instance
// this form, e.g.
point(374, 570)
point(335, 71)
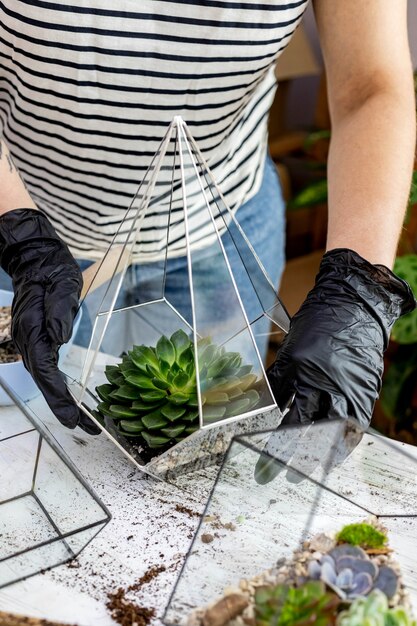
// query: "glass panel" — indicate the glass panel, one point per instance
point(17, 464)
point(279, 488)
point(12, 423)
point(63, 494)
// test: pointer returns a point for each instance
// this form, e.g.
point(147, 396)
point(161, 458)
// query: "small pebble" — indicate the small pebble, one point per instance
point(207, 538)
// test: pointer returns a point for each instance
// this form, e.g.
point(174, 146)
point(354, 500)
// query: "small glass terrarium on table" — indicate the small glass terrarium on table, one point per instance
point(169, 377)
point(305, 525)
point(48, 514)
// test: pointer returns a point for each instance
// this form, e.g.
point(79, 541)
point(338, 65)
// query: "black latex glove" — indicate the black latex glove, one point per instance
point(47, 284)
point(332, 357)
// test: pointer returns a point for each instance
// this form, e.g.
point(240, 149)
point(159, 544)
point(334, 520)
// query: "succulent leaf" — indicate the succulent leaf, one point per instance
point(181, 380)
point(160, 383)
point(120, 410)
point(173, 412)
point(281, 605)
point(104, 409)
point(373, 610)
point(180, 342)
point(104, 391)
point(361, 585)
point(213, 413)
point(387, 581)
point(155, 441)
point(178, 397)
point(132, 426)
point(113, 374)
point(149, 405)
point(125, 392)
point(173, 431)
point(140, 380)
point(142, 356)
point(154, 420)
point(150, 396)
point(165, 350)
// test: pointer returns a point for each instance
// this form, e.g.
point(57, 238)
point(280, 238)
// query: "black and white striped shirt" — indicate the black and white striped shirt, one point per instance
point(88, 89)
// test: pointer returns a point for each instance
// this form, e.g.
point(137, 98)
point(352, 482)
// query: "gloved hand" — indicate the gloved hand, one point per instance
point(332, 357)
point(47, 284)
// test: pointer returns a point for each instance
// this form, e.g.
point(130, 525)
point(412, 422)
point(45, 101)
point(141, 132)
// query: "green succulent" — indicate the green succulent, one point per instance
point(282, 605)
point(374, 611)
point(363, 534)
point(152, 394)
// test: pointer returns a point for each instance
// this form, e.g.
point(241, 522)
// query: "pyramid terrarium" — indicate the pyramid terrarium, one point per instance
point(178, 305)
point(275, 516)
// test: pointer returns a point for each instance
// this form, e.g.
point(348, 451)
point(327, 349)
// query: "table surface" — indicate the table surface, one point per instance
point(153, 524)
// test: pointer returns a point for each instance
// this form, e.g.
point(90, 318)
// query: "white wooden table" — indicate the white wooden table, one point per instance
point(148, 528)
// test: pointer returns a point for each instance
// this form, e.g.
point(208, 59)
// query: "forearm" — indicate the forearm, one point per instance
point(369, 172)
point(13, 193)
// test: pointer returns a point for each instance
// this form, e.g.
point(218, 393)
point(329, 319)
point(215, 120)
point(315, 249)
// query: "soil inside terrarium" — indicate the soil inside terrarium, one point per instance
point(8, 351)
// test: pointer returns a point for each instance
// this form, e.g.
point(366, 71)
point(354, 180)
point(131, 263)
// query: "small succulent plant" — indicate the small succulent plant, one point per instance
point(281, 605)
point(350, 572)
point(374, 611)
point(364, 535)
point(151, 395)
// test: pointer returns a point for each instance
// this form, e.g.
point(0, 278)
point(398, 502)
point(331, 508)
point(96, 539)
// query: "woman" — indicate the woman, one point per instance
point(85, 94)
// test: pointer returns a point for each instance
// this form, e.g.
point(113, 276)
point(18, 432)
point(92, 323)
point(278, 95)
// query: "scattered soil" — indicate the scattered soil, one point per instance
point(147, 577)
point(9, 619)
point(128, 613)
point(184, 509)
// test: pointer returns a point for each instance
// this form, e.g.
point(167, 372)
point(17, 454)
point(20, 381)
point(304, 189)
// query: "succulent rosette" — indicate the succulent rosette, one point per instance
point(350, 572)
point(151, 396)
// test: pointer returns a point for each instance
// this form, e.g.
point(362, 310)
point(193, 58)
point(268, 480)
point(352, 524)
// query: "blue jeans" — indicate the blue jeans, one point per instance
point(262, 220)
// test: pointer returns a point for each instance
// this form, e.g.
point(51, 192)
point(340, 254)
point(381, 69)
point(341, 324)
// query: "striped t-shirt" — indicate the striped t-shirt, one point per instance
point(89, 88)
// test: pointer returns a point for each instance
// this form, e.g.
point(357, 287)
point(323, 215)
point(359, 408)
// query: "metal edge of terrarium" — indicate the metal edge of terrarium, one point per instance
point(44, 432)
point(231, 275)
point(22, 432)
point(179, 122)
point(60, 537)
point(240, 229)
point(135, 227)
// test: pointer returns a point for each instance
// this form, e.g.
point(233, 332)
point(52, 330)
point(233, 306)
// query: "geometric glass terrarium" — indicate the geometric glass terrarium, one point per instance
point(177, 326)
point(279, 489)
point(48, 514)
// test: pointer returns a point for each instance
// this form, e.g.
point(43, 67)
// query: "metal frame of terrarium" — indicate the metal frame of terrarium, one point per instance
point(111, 271)
point(276, 489)
point(40, 528)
